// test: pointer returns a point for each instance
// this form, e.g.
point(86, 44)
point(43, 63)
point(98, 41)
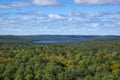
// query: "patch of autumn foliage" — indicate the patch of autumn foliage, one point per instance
point(3, 59)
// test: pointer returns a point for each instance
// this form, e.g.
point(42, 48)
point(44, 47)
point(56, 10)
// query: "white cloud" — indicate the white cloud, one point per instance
point(54, 16)
point(4, 6)
point(14, 4)
point(114, 19)
point(93, 2)
point(72, 21)
point(30, 2)
point(92, 15)
point(44, 2)
point(56, 2)
point(74, 14)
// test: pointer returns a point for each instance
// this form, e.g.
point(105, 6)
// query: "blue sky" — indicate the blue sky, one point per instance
point(59, 17)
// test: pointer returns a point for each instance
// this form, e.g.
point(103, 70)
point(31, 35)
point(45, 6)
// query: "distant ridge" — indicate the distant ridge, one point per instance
point(31, 38)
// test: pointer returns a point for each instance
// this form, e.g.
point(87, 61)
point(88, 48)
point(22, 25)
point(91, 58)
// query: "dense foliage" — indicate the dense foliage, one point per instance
point(84, 60)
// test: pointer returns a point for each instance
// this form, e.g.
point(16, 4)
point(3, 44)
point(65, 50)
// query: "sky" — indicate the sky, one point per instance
point(59, 17)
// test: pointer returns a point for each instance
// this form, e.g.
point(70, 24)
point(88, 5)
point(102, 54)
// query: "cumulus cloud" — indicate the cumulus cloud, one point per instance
point(54, 16)
point(38, 14)
point(56, 2)
point(72, 21)
point(93, 2)
point(14, 4)
point(30, 2)
point(91, 15)
point(114, 19)
point(44, 2)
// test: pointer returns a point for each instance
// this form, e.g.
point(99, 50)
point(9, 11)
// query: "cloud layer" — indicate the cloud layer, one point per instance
point(43, 17)
point(14, 4)
point(56, 2)
point(29, 3)
point(70, 23)
point(94, 2)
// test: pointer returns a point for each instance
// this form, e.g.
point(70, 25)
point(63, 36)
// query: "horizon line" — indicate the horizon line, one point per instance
point(55, 35)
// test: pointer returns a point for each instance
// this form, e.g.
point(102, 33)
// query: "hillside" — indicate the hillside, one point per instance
point(31, 38)
point(97, 59)
point(13, 39)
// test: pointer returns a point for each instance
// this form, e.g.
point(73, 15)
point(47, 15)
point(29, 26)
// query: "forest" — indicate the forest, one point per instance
point(94, 59)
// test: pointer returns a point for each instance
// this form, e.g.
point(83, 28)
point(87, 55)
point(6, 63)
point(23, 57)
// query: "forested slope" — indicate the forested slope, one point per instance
point(30, 38)
point(84, 60)
point(14, 39)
